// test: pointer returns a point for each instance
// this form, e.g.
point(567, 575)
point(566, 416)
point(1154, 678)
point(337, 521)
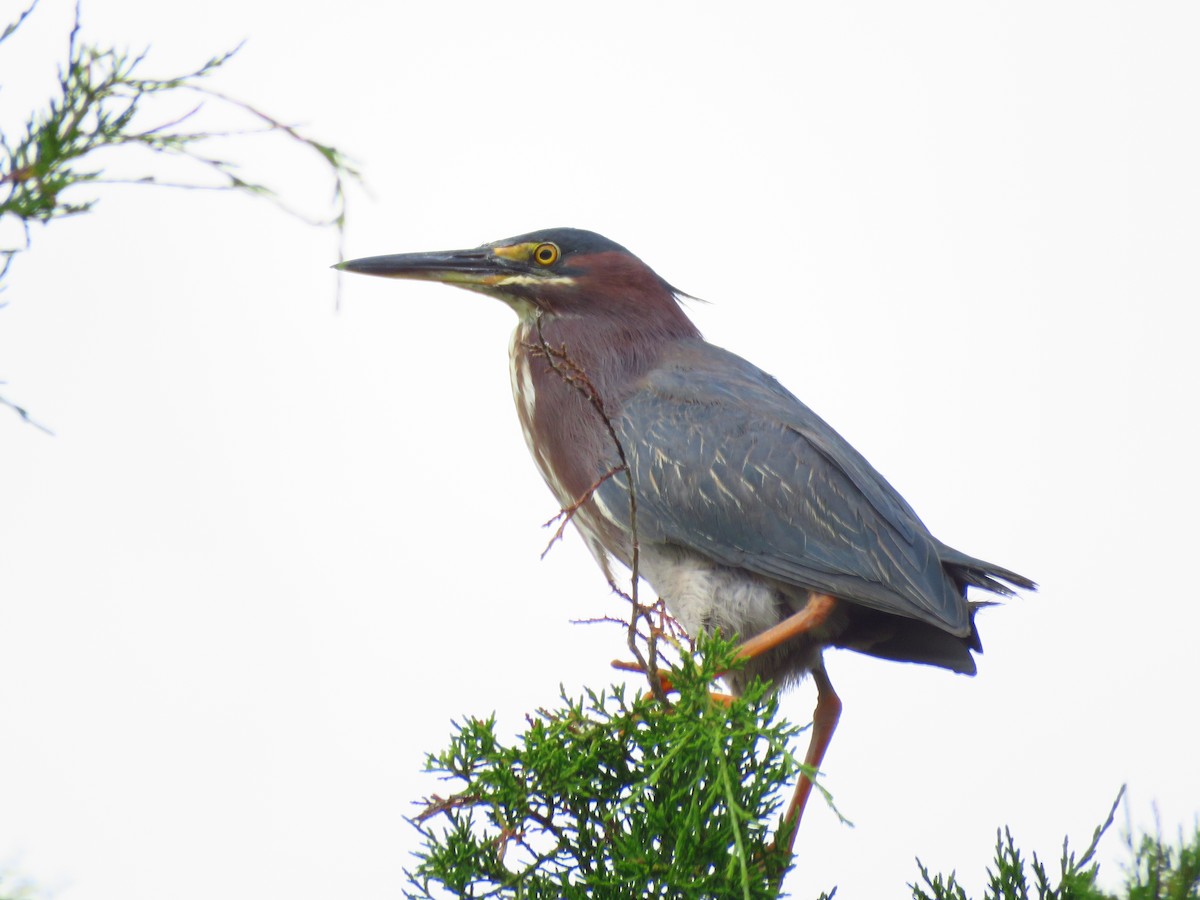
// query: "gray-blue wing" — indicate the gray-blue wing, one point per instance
point(729, 464)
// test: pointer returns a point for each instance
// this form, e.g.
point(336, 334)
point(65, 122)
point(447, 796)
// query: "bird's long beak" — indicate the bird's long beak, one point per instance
point(480, 266)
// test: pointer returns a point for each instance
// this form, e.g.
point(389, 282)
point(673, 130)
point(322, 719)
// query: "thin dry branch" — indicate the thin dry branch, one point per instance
point(561, 363)
point(24, 414)
point(435, 804)
point(568, 513)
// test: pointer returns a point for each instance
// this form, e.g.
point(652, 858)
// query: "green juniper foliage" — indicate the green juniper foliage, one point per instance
point(103, 102)
point(1008, 877)
point(103, 105)
point(1162, 872)
point(609, 796)
point(1158, 872)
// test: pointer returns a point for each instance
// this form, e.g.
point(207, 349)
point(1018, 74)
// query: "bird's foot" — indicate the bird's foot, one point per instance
point(665, 682)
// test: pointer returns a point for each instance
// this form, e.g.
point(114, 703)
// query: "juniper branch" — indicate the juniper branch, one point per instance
point(104, 103)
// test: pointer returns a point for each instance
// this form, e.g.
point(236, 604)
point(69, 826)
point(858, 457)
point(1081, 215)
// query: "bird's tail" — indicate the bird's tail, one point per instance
point(973, 572)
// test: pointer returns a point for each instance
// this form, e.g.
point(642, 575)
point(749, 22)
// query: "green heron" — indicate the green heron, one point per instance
point(751, 515)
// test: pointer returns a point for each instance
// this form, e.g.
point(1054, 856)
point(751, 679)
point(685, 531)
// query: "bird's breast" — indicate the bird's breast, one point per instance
point(566, 434)
point(525, 396)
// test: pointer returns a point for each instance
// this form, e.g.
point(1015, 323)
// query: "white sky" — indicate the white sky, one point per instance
point(274, 549)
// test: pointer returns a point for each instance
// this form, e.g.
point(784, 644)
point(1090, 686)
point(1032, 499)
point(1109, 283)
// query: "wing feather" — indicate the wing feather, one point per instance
point(727, 463)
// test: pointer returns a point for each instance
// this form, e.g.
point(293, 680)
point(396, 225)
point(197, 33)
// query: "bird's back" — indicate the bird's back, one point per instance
point(730, 467)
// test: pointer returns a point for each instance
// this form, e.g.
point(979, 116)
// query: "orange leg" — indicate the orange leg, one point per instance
point(829, 706)
point(825, 719)
point(665, 681)
point(817, 611)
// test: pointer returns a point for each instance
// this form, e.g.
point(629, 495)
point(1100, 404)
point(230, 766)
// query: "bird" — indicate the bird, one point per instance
point(748, 513)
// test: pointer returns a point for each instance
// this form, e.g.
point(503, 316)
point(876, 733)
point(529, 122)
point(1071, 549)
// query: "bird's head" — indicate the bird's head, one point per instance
point(554, 272)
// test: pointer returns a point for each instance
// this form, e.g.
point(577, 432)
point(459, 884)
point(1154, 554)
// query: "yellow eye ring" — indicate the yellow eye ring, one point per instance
point(546, 254)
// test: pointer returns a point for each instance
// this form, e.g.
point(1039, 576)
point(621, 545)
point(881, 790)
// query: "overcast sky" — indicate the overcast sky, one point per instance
point(272, 549)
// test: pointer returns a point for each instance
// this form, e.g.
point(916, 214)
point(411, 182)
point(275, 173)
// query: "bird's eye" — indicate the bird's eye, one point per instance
point(545, 254)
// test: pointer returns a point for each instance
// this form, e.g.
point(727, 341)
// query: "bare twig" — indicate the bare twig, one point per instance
point(573, 374)
point(568, 513)
point(598, 620)
point(24, 414)
point(13, 26)
point(435, 804)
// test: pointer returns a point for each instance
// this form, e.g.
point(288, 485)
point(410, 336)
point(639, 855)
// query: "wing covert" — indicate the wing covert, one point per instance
point(727, 463)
